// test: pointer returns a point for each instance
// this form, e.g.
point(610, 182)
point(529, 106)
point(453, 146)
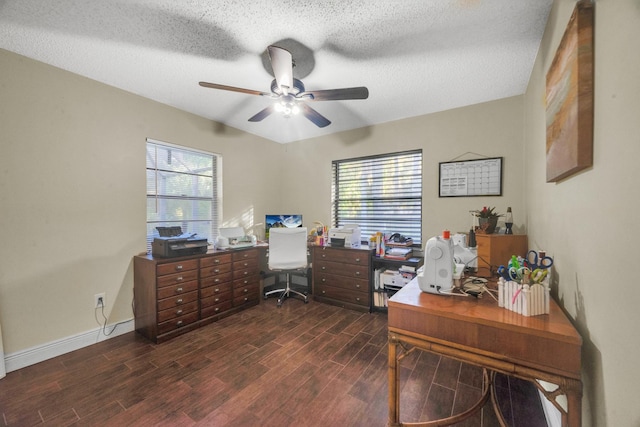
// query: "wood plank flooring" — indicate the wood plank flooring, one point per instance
point(298, 365)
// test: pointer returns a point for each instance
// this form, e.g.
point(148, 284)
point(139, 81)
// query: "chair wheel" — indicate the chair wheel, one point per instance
point(306, 301)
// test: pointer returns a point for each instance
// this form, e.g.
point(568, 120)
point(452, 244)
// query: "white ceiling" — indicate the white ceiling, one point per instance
point(415, 56)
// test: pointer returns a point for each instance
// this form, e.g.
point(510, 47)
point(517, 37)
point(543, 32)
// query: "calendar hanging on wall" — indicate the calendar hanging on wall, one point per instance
point(469, 178)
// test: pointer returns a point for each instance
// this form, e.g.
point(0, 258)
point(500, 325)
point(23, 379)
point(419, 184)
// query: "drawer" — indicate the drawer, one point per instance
point(246, 298)
point(177, 278)
point(178, 322)
point(215, 290)
point(242, 255)
point(175, 290)
point(344, 295)
point(215, 260)
point(349, 256)
point(177, 267)
point(245, 272)
point(216, 280)
point(216, 299)
point(215, 270)
point(176, 301)
point(250, 289)
point(245, 264)
point(212, 310)
point(357, 285)
point(246, 281)
point(341, 269)
point(178, 311)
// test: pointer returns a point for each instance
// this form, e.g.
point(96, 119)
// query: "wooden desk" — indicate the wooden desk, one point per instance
point(478, 332)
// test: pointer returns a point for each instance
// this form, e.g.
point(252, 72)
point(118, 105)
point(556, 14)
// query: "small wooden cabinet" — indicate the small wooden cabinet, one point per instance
point(176, 295)
point(496, 249)
point(342, 276)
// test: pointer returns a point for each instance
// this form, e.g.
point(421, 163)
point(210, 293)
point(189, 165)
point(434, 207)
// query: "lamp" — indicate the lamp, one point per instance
point(508, 221)
point(287, 106)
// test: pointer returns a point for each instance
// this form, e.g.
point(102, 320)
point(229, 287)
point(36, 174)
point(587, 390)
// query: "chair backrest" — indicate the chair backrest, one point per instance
point(287, 248)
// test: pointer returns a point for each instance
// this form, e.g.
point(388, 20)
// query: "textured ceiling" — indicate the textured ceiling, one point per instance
point(415, 56)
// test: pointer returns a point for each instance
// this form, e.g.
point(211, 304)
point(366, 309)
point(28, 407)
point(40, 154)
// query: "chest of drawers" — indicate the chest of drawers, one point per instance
point(342, 276)
point(174, 296)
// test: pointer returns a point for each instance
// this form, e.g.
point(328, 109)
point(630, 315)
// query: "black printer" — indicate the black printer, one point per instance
point(173, 243)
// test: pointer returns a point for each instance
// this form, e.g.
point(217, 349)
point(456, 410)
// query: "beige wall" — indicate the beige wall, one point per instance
point(587, 222)
point(72, 186)
point(464, 133)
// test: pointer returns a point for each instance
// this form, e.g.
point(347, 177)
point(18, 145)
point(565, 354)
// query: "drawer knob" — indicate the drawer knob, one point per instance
point(179, 267)
point(357, 259)
point(216, 261)
point(217, 270)
point(246, 299)
point(179, 301)
point(246, 273)
point(178, 312)
point(358, 299)
point(179, 279)
point(323, 267)
point(217, 300)
point(358, 286)
point(324, 255)
point(179, 323)
point(324, 292)
point(216, 290)
point(246, 290)
point(357, 273)
point(216, 280)
point(324, 280)
point(179, 289)
point(217, 309)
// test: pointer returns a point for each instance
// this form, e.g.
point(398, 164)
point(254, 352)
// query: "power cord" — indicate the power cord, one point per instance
point(106, 319)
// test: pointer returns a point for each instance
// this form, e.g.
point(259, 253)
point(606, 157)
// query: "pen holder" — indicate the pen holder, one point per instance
point(527, 300)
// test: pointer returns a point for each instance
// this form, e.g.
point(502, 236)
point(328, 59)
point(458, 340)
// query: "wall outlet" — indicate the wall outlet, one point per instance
point(99, 300)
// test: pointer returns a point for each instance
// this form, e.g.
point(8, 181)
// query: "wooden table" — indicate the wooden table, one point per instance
point(478, 332)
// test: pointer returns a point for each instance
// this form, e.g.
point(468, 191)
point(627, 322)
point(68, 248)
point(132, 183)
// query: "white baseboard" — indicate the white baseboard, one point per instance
point(33, 355)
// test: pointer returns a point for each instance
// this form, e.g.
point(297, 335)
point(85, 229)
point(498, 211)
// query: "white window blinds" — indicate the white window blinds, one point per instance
point(182, 190)
point(379, 193)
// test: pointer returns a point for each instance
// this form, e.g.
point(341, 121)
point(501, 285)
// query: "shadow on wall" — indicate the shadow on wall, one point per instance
point(592, 378)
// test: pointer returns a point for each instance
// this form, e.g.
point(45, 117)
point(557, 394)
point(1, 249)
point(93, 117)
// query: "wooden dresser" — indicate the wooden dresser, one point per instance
point(342, 276)
point(496, 249)
point(176, 295)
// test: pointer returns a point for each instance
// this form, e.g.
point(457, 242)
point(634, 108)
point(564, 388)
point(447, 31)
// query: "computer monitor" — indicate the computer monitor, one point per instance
point(281, 220)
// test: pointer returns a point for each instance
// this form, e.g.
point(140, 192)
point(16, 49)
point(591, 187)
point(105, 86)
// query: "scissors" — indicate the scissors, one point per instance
point(536, 262)
point(538, 275)
point(512, 273)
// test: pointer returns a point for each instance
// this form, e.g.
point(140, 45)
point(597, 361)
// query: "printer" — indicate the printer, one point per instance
point(173, 243)
point(347, 236)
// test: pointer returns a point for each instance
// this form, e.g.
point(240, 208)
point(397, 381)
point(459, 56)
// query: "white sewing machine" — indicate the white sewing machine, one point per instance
point(436, 276)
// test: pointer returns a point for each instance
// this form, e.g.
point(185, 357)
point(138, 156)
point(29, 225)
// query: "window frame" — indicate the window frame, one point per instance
point(214, 198)
point(412, 194)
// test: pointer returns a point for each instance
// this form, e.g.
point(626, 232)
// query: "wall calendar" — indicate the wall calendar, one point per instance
point(481, 177)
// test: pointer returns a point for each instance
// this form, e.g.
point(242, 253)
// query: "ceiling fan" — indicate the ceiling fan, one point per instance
point(290, 92)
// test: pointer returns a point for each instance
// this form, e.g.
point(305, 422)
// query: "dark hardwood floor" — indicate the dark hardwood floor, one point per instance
point(298, 365)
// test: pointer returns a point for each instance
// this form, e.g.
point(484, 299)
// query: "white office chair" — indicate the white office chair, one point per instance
point(287, 254)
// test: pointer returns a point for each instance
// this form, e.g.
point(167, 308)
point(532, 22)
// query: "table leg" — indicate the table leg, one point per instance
point(394, 383)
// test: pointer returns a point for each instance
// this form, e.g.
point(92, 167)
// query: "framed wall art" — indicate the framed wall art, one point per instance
point(569, 93)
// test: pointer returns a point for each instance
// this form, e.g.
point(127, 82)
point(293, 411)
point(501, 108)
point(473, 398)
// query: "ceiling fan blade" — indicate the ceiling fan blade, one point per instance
point(311, 114)
point(282, 64)
point(262, 114)
point(360, 92)
point(234, 89)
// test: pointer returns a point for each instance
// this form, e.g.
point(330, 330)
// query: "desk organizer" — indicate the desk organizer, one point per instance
point(527, 300)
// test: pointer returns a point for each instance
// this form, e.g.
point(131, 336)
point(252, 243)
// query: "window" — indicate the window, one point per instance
point(182, 190)
point(379, 193)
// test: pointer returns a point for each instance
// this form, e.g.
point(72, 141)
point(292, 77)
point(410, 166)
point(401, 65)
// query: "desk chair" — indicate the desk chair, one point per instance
point(287, 254)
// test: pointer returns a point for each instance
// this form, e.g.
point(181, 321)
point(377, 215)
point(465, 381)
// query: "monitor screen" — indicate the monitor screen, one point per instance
point(279, 220)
